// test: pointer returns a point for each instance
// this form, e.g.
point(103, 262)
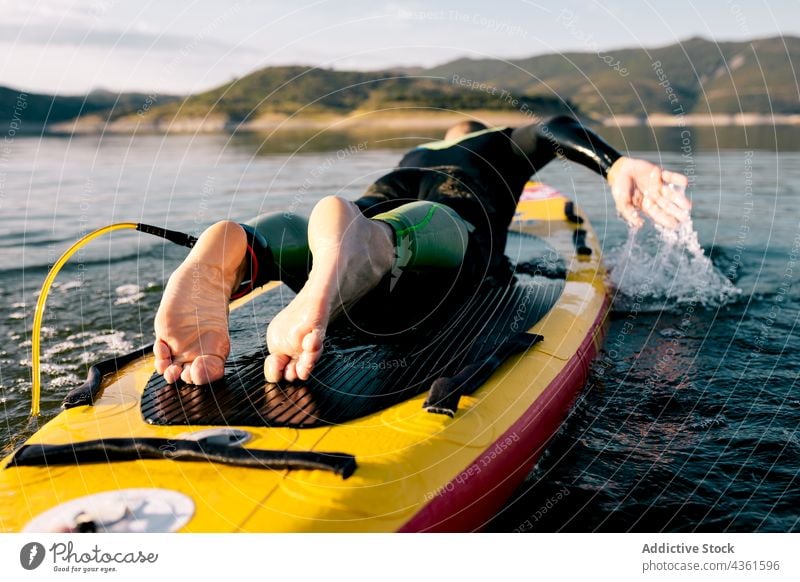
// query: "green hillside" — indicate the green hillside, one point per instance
point(756, 76)
point(307, 91)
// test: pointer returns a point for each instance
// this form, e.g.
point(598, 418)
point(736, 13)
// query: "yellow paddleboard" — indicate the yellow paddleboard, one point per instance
point(397, 469)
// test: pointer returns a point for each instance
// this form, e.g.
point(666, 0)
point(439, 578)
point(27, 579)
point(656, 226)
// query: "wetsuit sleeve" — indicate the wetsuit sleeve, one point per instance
point(564, 136)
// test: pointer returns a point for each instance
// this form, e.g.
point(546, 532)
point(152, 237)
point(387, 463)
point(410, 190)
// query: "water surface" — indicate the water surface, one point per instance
point(689, 421)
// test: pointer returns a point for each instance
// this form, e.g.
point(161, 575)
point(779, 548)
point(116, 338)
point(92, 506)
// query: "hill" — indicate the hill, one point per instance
point(32, 111)
point(697, 77)
point(306, 92)
point(705, 77)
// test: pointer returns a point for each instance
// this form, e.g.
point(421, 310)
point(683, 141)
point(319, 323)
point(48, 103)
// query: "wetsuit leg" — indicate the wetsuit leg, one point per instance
point(427, 235)
point(458, 191)
point(277, 250)
point(440, 216)
point(477, 204)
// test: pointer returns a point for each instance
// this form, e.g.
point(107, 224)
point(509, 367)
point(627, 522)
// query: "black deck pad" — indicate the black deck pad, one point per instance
point(383, 353)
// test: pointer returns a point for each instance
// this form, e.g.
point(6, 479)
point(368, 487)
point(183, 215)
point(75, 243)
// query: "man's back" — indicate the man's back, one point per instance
point(489, 155)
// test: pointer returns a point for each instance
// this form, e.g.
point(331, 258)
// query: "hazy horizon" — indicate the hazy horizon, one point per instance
point(76, 46)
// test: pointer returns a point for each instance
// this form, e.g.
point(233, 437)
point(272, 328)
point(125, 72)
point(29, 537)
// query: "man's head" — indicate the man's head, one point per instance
point(463, 128)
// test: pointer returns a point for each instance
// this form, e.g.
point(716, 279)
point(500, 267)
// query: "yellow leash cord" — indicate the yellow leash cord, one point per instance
point(174, 236)
point(36, 371)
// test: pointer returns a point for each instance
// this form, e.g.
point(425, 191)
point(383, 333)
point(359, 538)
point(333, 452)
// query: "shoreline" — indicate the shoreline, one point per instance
point(361, 121)
point(695, 120)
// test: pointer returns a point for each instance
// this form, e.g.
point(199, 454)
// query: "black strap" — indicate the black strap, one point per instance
point(579, 240)
point(569, 212)
point(133, 449)
point(86, 393)
point(445, 393)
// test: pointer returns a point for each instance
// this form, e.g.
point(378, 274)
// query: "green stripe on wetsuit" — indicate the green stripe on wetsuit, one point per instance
point(443, 144)
point(427, 235)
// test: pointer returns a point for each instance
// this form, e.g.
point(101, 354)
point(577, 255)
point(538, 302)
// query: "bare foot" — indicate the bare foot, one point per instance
point(351, 255)
point(191, 325)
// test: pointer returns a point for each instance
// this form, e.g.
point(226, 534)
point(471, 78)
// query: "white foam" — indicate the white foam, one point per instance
point(129, 294)
point(666, 268)
point(68, 285)
point(109, 340)
point(112, 342)
point(60, 348)
point(65, 381)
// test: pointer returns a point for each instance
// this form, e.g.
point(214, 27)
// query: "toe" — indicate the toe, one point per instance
point(312, 342)
point(274, 366)
point(207, 369)
point(186, 374)
point(290, 372)
point(172, 373)
point(305, 364)
point(312, 350)
point(163, 355)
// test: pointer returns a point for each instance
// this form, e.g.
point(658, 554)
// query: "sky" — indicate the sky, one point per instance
point(166, 46)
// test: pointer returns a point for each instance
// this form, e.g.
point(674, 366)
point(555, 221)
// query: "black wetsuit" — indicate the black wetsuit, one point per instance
point(482, 176)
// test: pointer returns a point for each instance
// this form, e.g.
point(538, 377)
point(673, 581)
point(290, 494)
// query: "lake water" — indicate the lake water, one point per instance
point(690, 419)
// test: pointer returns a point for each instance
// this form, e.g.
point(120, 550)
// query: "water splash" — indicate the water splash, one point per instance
point(664, 269)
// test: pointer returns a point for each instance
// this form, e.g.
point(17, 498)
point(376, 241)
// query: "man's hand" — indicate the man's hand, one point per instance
point(640, 185)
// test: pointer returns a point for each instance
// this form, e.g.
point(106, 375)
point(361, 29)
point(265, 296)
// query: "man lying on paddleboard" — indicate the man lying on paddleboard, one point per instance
point(446, 208)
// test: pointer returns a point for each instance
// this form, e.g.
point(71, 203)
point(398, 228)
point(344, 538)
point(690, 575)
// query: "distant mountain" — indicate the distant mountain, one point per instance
point(696, 76)
point(757, 76)
point(32, 111)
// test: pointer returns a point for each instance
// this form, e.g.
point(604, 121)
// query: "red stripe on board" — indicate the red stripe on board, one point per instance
point(469, 505)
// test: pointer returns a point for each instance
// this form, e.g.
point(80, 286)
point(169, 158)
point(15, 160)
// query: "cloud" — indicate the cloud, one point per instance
point(138, 40)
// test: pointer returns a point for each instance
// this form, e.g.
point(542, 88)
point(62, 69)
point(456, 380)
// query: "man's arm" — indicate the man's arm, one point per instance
point(564, 136)
point(635, 184)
